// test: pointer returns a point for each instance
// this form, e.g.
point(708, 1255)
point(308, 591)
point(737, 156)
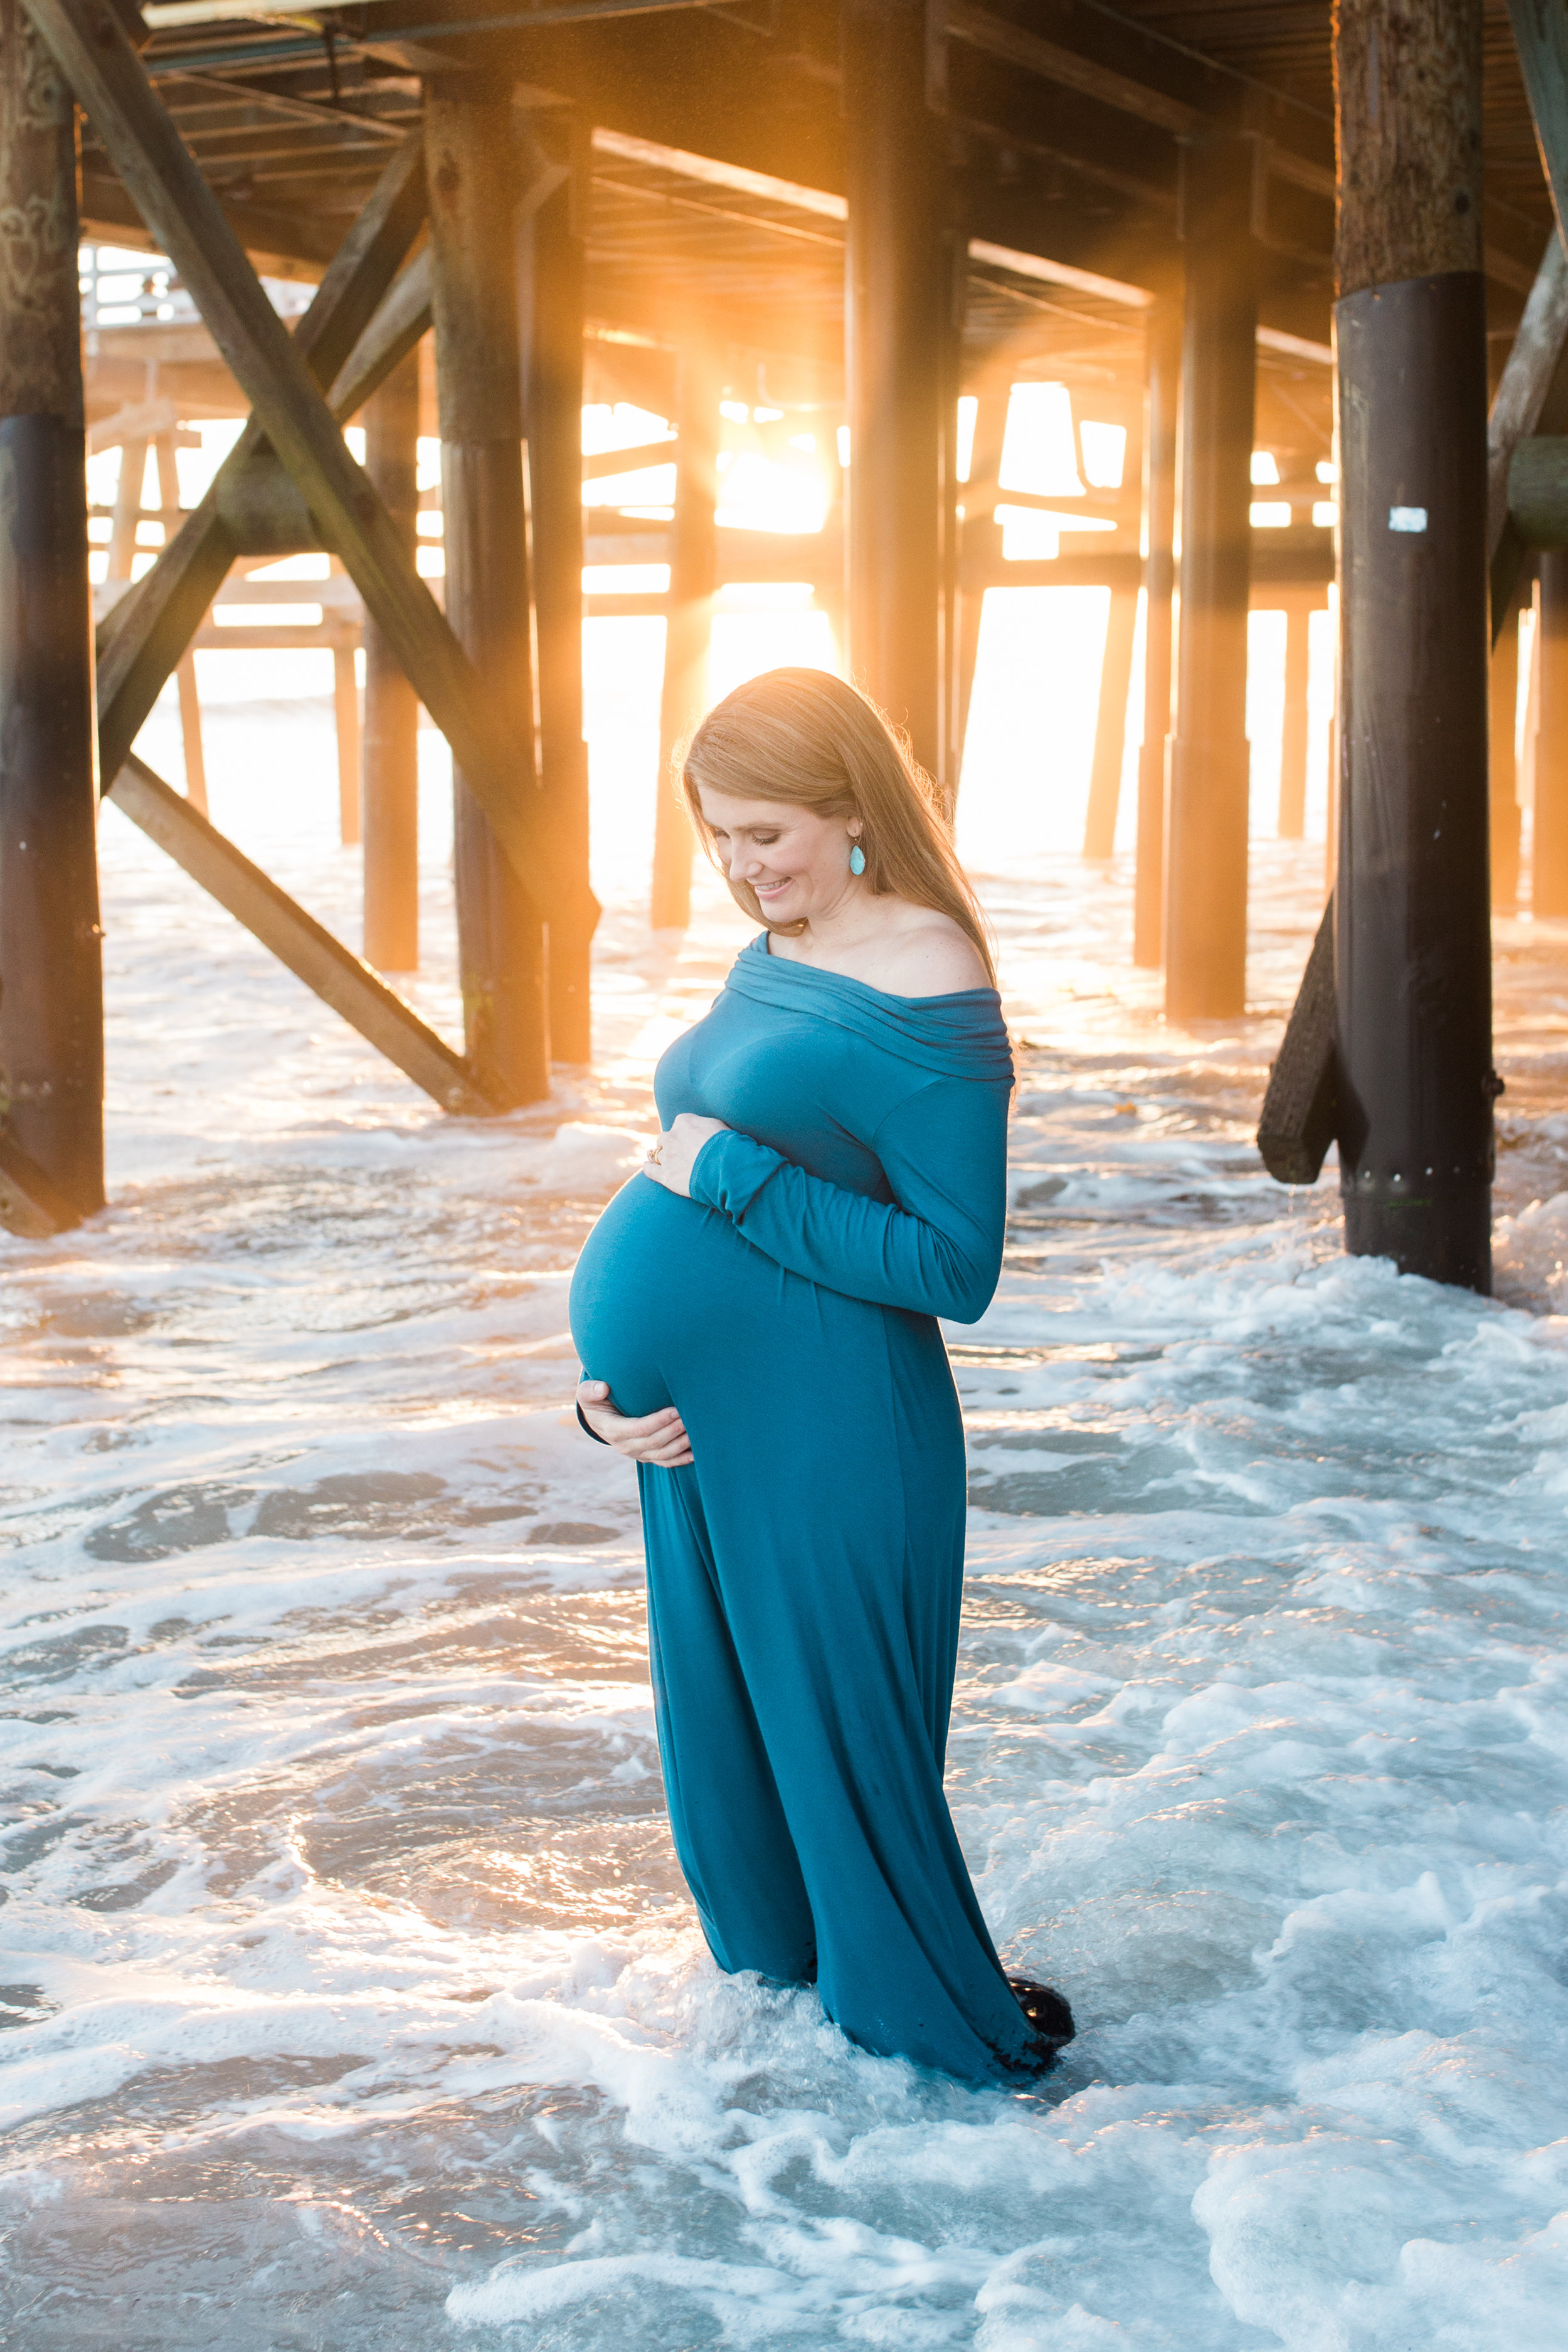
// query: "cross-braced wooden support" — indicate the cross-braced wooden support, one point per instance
point(290, 482)
point(290, 412)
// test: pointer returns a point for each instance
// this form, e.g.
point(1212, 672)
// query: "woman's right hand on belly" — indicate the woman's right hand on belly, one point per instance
point(659, 1438)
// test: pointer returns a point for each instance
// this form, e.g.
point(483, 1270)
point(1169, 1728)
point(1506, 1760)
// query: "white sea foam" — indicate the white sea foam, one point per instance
point(356, 2000)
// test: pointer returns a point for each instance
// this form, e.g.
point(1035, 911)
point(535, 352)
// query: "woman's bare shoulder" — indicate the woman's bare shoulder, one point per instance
point(928, 955)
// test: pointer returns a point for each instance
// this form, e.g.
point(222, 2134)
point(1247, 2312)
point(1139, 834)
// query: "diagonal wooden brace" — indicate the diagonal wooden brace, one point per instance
point(140, 642)
point(158, 171)
point(296, 938)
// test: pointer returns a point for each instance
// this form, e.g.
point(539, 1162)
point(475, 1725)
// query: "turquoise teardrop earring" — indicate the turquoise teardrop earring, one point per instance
point(857, 858)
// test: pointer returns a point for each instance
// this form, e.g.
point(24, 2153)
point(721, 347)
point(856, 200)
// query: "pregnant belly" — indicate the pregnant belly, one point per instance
point(661, 1283)
point(670, 1306)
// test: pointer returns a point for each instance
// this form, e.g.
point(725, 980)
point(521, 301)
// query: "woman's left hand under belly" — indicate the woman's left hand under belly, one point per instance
point(673, 1156)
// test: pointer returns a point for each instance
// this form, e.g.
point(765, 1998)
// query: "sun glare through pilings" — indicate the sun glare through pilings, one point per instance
point(1024, 788)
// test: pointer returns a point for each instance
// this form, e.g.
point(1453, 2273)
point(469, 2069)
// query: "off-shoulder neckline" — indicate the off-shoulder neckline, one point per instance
point(762, 946)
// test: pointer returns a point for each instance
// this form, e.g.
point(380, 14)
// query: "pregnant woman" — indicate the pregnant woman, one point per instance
point(755, 1313)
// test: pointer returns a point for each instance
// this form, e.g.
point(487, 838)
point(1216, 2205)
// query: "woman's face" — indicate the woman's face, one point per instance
point(795, 861)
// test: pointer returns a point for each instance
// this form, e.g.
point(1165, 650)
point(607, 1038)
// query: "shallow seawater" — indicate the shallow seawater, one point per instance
point(354, 2000)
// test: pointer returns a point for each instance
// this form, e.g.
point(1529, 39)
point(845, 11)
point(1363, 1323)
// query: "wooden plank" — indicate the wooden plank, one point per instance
point(296, 940)
point(98, 61)
point(140, 641)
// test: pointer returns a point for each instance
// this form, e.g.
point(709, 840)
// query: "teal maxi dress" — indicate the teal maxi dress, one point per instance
point(805, 1570)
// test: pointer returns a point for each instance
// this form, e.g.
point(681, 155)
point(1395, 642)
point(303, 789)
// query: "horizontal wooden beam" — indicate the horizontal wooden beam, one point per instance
point(605, 464)
point(296, 940)
point(994, 37)
point(284, 636)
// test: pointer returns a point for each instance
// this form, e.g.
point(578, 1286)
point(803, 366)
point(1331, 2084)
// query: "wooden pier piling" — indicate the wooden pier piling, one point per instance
point(1206, 878)
point(1413, 978)
point(470, 165)
point(51, 1002)
point(550, 304)
point(1162, 366)
point(1293, 743)
point(1111, 725)
point(1502, 763)
point(390, 749)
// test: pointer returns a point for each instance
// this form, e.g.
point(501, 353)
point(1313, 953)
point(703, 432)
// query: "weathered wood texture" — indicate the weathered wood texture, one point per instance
point(551, 261)
point(1301, 1106)
point(1162, 398)
point(391, 742)
point(471, 169)
point(1408, 88)
point(689, 628)
point(1205, 886)
point(41, 348)
point(296, 940)
point(51, 1001)
point(1110, 726)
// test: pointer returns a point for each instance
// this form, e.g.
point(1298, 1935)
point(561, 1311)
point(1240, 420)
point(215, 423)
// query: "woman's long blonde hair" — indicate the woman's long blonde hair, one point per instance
point(803, 737)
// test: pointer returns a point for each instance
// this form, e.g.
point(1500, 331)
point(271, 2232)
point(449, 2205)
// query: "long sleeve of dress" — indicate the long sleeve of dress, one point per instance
point(936, 1250)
